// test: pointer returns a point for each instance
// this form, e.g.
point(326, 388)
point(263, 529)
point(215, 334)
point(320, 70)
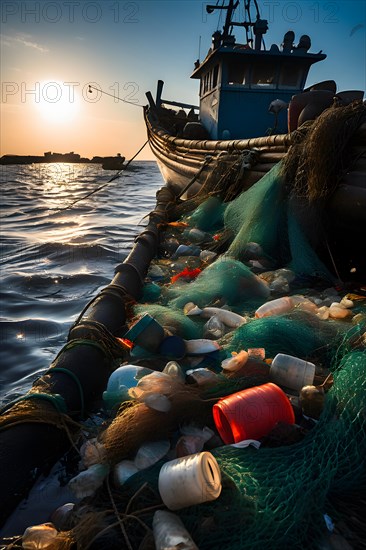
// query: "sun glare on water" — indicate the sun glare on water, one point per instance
point(57, 102)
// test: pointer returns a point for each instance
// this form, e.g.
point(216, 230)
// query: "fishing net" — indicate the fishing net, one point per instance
point(315, 165)
point(279, 495)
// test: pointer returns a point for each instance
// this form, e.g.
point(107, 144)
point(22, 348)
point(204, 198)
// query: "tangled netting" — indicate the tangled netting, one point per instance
point(314, 166)
point(272, 496)
point(276, 496)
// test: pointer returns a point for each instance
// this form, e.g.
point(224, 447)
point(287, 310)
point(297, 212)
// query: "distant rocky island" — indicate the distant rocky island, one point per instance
point(116, 160)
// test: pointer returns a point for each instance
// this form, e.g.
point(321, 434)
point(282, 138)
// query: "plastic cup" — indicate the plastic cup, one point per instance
point(252, 413)
point(190, 480)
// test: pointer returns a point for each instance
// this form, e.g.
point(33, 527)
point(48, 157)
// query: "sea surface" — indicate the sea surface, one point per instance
point(56, 257)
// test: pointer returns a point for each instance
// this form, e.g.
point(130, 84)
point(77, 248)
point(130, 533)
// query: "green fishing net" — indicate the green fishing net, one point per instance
point(271, 497)
point(265, 215)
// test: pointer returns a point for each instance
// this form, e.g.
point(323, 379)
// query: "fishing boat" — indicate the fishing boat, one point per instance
point(252, 101)
point(264, 196)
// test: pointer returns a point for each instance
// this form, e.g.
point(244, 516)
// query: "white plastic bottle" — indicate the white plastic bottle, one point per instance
point(275, 307)
point(291, 372)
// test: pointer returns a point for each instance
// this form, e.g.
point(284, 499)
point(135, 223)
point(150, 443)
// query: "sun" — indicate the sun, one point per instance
point(58, 102)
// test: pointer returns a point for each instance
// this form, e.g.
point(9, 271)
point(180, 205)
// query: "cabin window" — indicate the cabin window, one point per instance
point(264, 75)
point(205, 83)
point(290, 76)
point(209, 80)
point(215, 76)
point(236, 73)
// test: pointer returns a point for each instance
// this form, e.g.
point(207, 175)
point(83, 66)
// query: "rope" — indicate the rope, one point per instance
point(114, 96)
point(206, 163)
point(54, 398)
point(102, 186)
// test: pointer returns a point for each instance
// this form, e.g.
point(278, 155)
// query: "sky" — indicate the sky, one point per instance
point(52, 50)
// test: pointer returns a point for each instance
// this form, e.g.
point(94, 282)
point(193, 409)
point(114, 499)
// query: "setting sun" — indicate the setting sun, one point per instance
point(57, 101)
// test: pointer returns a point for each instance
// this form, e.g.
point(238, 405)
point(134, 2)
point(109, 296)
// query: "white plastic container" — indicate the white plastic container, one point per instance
point(291, 372)
point(169, 532)
point(275, 307)
point(190, 480)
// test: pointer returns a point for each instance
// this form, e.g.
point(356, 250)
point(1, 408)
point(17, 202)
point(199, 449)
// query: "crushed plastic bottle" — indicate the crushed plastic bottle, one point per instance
point(214, 328)
point(170, 533)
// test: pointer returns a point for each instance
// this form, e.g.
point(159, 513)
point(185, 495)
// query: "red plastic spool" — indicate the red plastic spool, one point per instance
point(252, 413)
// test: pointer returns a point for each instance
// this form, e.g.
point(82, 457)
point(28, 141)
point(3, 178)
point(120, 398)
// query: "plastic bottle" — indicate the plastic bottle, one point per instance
point(169, 532)
point(275, 307)
point(291, 372)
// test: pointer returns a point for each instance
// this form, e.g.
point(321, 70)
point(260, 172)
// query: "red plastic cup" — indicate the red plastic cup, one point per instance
point(252, 413)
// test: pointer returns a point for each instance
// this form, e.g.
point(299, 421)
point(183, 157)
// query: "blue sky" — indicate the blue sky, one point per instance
point(125, 47)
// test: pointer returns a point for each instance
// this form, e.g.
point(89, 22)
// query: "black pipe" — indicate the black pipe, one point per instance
point(80, 372)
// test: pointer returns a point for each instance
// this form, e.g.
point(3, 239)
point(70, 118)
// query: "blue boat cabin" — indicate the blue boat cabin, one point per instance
point(239, 85)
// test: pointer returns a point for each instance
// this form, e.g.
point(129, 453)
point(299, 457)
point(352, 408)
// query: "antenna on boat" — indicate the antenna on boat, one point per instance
point(230, 9)
point(260, 26)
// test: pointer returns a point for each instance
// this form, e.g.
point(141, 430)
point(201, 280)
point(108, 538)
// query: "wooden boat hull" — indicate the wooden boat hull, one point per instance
point(185, 165)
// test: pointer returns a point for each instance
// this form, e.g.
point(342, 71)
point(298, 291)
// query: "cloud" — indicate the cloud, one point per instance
point(23, 39)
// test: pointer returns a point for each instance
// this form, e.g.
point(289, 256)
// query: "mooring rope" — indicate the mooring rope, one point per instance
point(104, 184)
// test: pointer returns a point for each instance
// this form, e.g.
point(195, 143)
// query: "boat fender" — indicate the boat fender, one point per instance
point(319, 98)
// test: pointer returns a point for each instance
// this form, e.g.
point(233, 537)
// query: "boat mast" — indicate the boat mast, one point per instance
point(260, 26)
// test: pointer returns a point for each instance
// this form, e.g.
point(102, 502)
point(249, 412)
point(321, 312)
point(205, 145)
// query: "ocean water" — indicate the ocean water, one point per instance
point(55, 259)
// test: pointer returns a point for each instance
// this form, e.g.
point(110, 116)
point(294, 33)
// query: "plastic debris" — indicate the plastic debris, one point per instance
point(92, 452)
point(123, 471)
point(87, 482)
point(62, 517)
point(192, 440)
point(190, 480)
point(170, 533)
point(39, 537)
point(186, 274)
point(214, 328)
point(236, 361)
point(201, 345)
point(150, 453)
